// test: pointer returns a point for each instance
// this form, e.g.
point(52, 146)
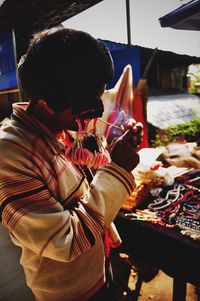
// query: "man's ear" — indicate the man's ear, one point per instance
point(42, 103)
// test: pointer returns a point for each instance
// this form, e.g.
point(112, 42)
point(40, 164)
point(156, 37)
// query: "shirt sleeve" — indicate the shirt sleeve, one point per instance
point(39, 222)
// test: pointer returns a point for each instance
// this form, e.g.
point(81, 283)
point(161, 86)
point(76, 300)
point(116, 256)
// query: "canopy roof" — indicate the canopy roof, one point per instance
point(186, 17)
point(28, 16)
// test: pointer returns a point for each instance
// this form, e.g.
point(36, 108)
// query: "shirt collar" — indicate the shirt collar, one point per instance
point(20, 113)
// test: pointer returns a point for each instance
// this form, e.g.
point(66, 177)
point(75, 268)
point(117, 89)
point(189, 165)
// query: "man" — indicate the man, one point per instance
point(52, 213)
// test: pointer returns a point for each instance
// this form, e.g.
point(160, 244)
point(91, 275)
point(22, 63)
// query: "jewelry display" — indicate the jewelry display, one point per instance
point(179, 207)
point(143, 215)
point(171, 196)
point(188, 223)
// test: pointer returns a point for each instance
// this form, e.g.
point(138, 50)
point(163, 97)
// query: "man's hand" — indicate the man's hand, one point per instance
point(121, 125)
point(123, 150)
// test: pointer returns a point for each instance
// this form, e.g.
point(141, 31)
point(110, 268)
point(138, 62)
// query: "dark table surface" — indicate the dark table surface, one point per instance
point(169, 250)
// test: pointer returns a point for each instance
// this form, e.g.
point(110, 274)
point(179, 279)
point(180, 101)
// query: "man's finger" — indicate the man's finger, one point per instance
point(134, 135)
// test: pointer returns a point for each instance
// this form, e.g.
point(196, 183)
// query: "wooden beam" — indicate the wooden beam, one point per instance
point(128, 21)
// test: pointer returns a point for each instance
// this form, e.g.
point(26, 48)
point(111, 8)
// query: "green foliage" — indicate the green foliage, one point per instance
point(190, 131)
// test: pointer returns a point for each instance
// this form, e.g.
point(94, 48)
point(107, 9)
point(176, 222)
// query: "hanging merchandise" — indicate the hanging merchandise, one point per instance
point(87, 149)
point(75, 152)
point(122, 103)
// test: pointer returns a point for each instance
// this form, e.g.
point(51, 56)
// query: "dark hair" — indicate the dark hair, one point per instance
point(65, 67)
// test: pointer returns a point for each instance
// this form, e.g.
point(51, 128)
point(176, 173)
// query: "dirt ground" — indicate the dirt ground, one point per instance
point(157, 287)
point(160, 289)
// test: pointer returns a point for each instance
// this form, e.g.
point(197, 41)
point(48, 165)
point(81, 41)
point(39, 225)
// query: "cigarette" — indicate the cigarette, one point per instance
point(110, 124)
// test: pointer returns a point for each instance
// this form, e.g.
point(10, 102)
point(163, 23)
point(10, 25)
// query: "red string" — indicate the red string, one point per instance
point(107, 243)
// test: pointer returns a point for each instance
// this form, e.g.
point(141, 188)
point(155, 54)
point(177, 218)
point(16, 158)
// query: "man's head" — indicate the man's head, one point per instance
point(66, 68)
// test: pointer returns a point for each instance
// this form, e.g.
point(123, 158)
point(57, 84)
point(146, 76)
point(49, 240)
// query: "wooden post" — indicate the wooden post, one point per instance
point(128, 22)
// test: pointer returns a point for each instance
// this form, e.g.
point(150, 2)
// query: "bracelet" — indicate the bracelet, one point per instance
point(186, 222)
point(167, 201)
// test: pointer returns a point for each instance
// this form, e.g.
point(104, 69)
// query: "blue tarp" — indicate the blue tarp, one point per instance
point(8, 78)
point(123, 55)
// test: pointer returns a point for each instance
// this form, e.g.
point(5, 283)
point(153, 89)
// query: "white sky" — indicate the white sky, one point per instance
point(107, 20)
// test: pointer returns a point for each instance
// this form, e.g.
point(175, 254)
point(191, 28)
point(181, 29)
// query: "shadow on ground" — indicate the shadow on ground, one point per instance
point(135, 281)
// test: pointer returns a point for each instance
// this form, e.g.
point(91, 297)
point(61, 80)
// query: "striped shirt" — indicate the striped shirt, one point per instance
point(51, 211)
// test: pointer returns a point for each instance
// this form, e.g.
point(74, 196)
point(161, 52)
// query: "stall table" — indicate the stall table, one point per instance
point(167, 249)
